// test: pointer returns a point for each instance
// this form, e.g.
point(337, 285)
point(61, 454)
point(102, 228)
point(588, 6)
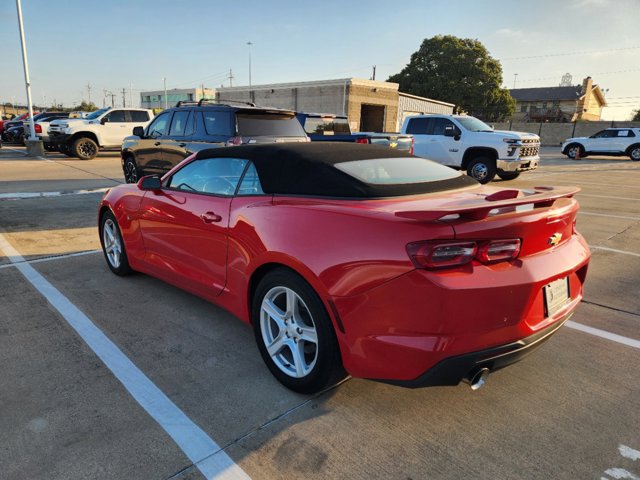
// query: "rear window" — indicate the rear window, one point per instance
point(268, 125)
point(217, 122)
point(327, 126)
point(397, 171)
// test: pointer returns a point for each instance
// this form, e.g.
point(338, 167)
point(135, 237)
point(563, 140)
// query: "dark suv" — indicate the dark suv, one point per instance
point(189, 127)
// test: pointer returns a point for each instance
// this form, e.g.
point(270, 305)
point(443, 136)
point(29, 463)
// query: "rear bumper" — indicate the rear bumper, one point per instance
point(452, 322)
point(520, 164)
point(451, 371)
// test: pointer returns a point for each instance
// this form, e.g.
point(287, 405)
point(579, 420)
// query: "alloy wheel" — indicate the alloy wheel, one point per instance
point(288, 332)
point(112, 243)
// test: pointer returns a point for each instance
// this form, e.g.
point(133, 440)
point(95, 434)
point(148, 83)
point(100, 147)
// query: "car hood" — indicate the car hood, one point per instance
point(514, 135)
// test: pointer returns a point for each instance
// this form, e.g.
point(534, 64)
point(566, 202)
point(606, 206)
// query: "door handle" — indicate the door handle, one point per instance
point(156, 144)
point(182, 144)
point(210, 217)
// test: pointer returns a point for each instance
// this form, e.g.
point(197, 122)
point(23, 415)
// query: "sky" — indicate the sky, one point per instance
point(78, 48)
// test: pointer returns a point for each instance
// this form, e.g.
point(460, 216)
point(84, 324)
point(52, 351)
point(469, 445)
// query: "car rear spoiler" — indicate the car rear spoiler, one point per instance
point(538, 197)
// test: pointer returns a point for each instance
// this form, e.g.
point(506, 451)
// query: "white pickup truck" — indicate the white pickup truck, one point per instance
point(466, 143)
point(102, 129)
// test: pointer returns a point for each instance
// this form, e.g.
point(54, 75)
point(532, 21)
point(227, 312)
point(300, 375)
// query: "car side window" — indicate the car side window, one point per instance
point(139, 116)
point(179, 123)
point(631, 134)
point(420, 126)
point(439, 125)
point(217, 122)
point(116, 116)
point(159, 126)
point(215, 176)
point(250, 182)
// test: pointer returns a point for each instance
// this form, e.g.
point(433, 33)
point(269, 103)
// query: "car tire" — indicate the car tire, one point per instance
point(483, 169)
point(634, 152)
point(508, 175)
point(113, 245)
point(294, 333)
point(84, 148)
point(575, 150)
point(130, 170)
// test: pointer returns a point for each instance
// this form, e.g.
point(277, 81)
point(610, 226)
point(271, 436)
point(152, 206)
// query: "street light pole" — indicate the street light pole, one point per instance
point(32, 143)
point(164, 79)
point(249, 43)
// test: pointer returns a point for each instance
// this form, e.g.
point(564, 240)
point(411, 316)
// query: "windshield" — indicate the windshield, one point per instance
point(474, 125)
point(96, 114)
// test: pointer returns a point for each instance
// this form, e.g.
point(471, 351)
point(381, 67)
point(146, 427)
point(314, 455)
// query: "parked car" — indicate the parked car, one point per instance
point(357, 258)
point(102, 130)
point(190, 127)
point(612, 141)
point(469, 144)
point(327, 127)
point(8, 125)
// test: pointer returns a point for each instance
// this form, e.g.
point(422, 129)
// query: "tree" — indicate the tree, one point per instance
point(458, 71)
point(86, 107)
point(635, 115)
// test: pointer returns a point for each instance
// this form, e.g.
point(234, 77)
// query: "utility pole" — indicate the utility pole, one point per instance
point(249, 43)
point(515, 77)
point(230, 78)
point(131, 94)
point(124, 93)
point(35, 147)
point(373, 75)
point(104, 98)
point(89, 91)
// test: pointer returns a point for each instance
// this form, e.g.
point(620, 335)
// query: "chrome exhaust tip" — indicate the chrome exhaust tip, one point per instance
point(478, 378)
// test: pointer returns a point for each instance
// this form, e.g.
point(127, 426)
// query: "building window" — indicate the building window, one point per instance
point(544, 104)
point(523, 108)
point(556, 103)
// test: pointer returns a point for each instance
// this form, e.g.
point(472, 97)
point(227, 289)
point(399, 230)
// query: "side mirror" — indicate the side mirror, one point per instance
point(150, 182)
point(138, 131)
point(104, 120)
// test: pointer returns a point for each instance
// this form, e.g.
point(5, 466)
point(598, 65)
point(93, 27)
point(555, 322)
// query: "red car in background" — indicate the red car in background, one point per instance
point(357, 259)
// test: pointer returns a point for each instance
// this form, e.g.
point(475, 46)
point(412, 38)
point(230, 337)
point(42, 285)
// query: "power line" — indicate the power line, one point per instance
point(565, 54)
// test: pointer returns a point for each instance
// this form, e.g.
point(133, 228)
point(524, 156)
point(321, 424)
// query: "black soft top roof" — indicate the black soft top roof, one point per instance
point(308, 169)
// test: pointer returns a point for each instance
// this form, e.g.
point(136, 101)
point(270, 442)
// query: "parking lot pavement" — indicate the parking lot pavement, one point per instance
point(567, 411)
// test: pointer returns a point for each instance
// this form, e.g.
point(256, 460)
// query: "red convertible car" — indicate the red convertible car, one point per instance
point(357, 259)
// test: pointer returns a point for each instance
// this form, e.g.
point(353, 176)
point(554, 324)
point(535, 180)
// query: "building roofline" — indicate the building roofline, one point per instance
point(430, 100)
point(314, 83)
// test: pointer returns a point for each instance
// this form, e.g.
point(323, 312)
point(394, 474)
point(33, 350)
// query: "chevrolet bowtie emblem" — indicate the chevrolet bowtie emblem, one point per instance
point(555, 239)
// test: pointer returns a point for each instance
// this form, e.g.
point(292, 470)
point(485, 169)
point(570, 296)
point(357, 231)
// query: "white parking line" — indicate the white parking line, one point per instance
point(205, 454)
point(630, 342)
point(614, 250)
point(631, 199)
point(23, 195)
point(623, 217)
point(54, 257)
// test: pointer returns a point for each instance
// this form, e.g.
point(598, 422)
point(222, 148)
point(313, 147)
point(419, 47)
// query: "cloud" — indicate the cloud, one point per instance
point(507, 32)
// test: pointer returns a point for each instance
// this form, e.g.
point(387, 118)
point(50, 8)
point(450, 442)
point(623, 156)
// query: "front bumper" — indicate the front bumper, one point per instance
point(520, 164)
point(59, 138)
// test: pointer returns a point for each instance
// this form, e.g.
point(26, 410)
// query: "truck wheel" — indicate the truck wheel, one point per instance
point(483, 169)
point(508, 175)
point(84, 148)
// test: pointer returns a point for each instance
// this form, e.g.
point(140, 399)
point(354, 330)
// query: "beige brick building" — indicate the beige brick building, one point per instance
point(370, 105)
point(559, 104)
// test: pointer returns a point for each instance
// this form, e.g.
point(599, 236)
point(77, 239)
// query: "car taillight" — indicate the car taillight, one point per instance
point(362, 140)
point(234, 141)
point(499, 250)
point(434, 255)
point(38, 128)
point(411, 149)
point(440, 255)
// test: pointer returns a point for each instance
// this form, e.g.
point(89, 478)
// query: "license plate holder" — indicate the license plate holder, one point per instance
point(556, 295)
